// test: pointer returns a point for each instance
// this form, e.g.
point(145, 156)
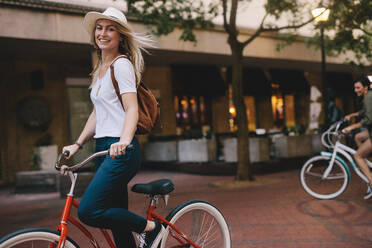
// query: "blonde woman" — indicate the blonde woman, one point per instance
point(105, 202)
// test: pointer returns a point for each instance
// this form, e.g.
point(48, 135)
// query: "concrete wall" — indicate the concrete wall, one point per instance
point(158, 79)
point(54, 26)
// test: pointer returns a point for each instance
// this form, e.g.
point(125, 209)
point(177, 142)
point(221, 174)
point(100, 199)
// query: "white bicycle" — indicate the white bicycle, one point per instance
point(327, 175)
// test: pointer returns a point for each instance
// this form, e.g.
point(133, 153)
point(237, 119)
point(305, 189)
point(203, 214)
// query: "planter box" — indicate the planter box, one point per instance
point(258, 149)
point(316, 143)
point(162, 151)
point(36, 181)
point(196, 150)
point(48, 156)
point(292, 146)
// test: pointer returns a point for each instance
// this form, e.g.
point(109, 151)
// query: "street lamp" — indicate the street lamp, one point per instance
point(321, 15)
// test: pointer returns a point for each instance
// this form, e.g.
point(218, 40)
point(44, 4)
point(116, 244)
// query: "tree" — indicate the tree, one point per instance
point(163, 16)
point(349, 30)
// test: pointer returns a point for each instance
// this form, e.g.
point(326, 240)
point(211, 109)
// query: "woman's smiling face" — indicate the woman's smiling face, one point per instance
point(106, 35)
point(359, 89)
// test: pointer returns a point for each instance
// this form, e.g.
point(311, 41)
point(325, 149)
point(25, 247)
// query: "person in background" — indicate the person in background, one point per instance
point(113, 123)
point(333, 112)
point(362, 88)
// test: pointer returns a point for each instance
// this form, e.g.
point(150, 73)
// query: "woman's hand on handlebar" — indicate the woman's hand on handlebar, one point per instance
point(348, 117)
point(118, 148)
point(72, 149)
point(346, 130)
point(352, 115)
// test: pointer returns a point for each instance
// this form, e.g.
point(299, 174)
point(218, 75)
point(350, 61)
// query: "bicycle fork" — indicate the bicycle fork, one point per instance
point(62, 227)
point(330, 165)
point(344, 151)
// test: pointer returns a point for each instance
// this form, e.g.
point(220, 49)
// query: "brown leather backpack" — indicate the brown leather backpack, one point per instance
point(148, 106)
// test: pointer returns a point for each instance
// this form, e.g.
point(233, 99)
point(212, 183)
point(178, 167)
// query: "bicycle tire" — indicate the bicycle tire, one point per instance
point(33, 237)
point(193, 218)
point(328, 188)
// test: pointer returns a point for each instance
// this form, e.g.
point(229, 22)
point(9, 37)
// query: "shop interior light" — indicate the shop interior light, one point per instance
point(232, 110)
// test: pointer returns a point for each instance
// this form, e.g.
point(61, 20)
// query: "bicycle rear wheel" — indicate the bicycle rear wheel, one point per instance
point(201, 222)
point(34, 237)
point(312, 180)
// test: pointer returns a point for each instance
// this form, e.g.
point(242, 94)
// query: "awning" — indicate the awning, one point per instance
point(289, 80)
point(340, 82)
point(192, 80)
point(255, 82)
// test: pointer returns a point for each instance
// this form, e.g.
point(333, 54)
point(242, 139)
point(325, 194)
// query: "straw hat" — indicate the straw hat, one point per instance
point(110, 13)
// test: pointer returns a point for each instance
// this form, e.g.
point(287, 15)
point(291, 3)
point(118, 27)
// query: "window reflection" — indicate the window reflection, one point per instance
point(190, 112)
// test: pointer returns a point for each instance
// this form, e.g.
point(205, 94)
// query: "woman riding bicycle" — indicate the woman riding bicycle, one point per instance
point(362, 88)
point(105, 202)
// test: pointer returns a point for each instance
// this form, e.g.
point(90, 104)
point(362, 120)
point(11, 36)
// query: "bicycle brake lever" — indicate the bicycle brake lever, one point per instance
point(62, 155)
point(64, 169)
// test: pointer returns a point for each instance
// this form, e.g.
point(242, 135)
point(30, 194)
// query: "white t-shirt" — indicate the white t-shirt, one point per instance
point(110, 114)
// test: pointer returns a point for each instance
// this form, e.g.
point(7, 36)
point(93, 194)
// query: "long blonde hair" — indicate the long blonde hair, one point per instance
point(131, 46)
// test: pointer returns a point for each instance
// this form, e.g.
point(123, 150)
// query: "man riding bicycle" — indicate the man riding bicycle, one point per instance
point(362, 88)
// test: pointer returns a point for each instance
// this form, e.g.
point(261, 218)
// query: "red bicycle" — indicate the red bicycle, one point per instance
point(194, 223)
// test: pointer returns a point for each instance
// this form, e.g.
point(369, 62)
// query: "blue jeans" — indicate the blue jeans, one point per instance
point(105, 202)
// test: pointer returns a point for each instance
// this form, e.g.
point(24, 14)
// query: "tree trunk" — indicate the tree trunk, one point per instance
point(244, 171)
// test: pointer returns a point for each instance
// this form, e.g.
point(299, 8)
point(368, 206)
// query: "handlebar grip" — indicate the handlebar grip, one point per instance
point(130, 147)
point(62, 155)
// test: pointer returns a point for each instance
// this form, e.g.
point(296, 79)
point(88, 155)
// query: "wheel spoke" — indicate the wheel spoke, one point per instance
point(314, 174)
point(204, 236)
point(202, 223)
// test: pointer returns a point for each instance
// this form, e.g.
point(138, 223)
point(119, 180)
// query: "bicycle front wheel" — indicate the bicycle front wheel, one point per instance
point(314, 182)
point(201, 222)
point(34, 237)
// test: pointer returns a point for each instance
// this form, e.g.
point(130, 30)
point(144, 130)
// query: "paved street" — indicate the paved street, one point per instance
point(272, 212)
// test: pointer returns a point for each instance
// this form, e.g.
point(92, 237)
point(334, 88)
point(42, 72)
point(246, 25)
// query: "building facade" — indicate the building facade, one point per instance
point(46, 59)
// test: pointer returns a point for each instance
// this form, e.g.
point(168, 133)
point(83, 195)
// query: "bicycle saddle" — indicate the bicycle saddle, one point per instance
point(158, 187)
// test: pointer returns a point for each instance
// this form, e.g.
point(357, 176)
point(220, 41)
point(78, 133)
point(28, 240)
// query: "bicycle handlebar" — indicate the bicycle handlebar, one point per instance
point(81, 164)
point(333, 130)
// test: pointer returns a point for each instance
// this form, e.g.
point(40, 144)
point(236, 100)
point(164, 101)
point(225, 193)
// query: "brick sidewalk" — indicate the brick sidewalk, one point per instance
point(273, 212)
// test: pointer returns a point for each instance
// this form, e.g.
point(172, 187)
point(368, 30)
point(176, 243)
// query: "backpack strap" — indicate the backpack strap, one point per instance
point(113, 79)
point(118, 57)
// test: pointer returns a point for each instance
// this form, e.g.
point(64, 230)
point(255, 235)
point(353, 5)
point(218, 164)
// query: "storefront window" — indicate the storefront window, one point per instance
point(289, 110)
point(250, 111)
point(283, 110)
point(278, 111)
point(190, 112)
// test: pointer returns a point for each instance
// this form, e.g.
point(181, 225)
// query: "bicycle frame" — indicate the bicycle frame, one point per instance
point(181, 237)
point(70, 201)
point(345, 151)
